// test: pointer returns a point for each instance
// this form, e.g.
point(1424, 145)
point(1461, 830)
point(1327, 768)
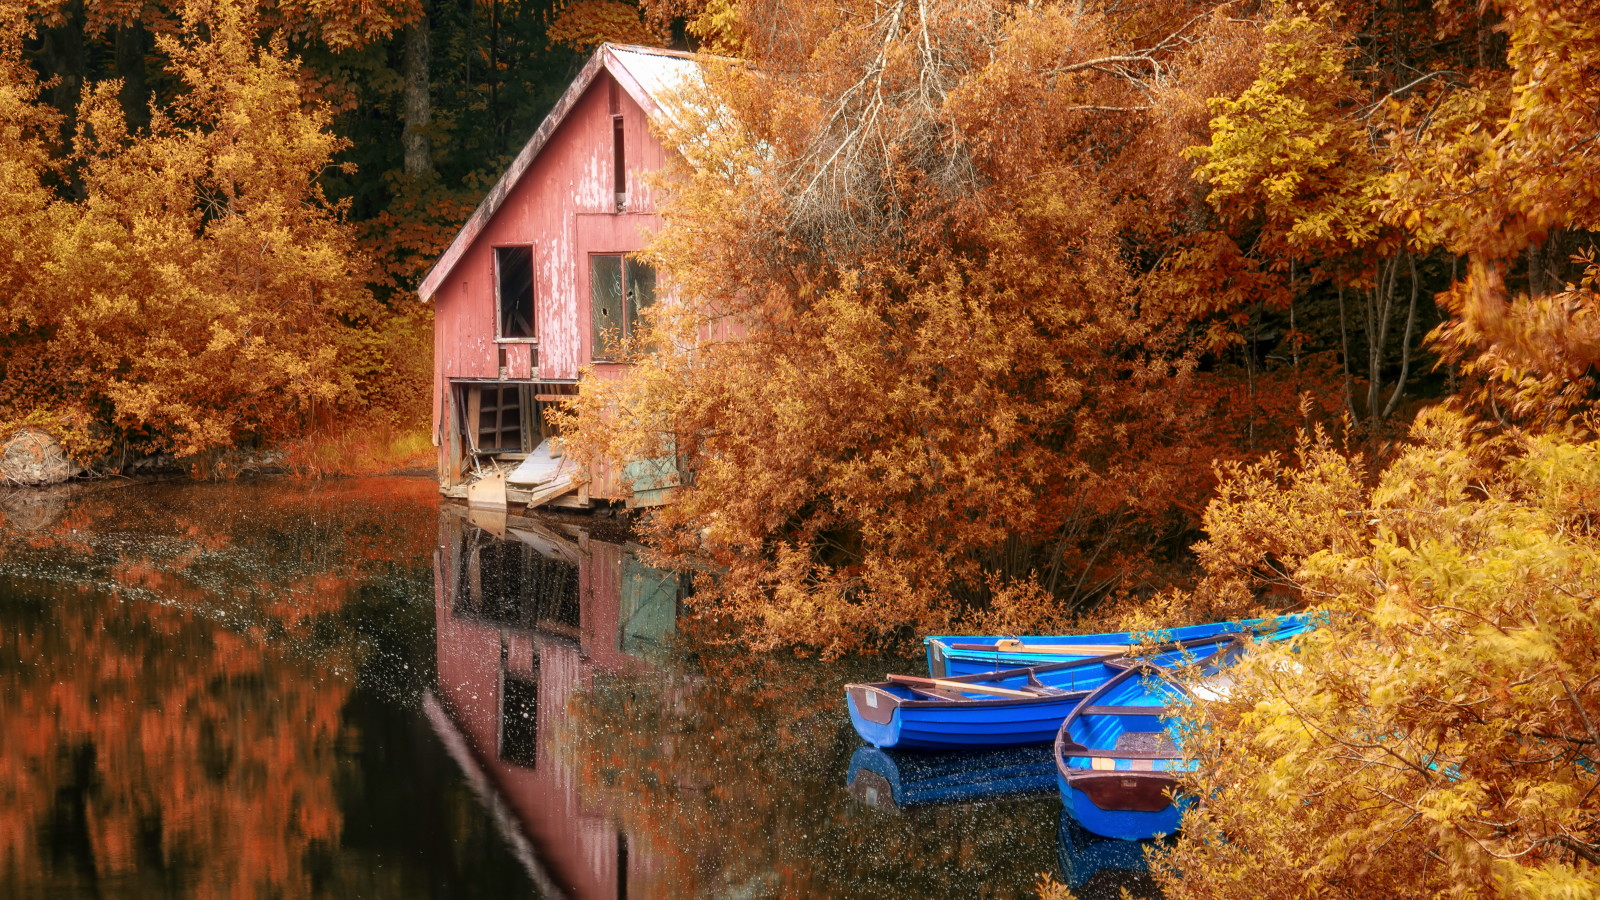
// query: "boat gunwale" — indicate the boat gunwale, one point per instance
point(1265, 627)
point(981, 678)
point(1065, 748)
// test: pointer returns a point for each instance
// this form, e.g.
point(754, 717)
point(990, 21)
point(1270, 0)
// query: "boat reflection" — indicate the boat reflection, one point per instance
point(528, 611)
point(903, 779)
point(1095, 866)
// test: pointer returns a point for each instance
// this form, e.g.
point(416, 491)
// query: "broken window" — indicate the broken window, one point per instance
point(513, 268)
point(619, 290)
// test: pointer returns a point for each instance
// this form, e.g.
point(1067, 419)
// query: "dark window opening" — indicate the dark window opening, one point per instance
point(619, 164)
point(514, 282)
point(512, 584)
point(619, 291)
point(519, 719)
point(622, 866)
point(499, 418)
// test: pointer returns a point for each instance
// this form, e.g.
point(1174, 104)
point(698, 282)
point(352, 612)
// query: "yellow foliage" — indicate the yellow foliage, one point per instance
point(1437, 737)
point(203, 292)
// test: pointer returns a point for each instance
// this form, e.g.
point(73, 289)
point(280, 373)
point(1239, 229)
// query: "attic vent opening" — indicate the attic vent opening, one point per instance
point(619, 164)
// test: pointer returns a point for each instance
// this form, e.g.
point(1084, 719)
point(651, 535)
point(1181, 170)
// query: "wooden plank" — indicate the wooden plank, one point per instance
point(551, 490)
point(454, 452)
point(488, 491)
point(1102, 764)
point(1012, 645)
point(568, 501)
point(529, 417)
point(964, 686)
point(474, 412)
point(1153, 711)
point(1080, 750)
point(936, 693)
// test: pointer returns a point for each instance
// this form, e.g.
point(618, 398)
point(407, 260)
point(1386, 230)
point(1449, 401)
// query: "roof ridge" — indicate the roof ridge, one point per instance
point(655, 51)
point(692, 56)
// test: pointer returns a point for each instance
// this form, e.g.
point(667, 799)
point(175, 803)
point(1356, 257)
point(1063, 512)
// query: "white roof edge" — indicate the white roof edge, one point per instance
point(610, 57)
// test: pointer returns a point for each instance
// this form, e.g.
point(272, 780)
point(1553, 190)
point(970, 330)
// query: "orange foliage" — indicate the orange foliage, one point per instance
point(203, 293)
point(585, 24)
point(135, 711)
point(962, 376)
point(1462, 135)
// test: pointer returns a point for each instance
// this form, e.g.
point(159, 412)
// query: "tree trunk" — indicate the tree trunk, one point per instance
point(1380, 310)
point(130, 43)
point(61, 56)
point(419, 104)
point(1405, 343)
point(494, 76)
point(1344, 359)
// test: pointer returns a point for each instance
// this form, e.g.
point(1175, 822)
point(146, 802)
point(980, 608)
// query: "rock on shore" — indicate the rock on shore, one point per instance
point(32, 457)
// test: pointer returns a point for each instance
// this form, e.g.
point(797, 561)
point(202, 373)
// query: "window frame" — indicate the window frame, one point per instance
point(533, 294)
point(597, 347)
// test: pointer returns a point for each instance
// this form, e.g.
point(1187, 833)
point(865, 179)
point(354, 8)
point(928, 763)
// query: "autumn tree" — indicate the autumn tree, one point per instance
point(954, 393)
point(426, 101)
point(1390, 153)
point(204, 291)
point(1435, 737)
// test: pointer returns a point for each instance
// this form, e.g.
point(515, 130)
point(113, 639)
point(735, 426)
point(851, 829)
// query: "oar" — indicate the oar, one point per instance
point(960, 686)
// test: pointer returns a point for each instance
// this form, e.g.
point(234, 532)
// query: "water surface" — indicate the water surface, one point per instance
point(349, 688)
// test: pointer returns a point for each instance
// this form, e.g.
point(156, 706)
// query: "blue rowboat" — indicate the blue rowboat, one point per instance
point(954, 655)
point(972, 712)
point(1009, 708)
point(898, 779)
point(1117, 753)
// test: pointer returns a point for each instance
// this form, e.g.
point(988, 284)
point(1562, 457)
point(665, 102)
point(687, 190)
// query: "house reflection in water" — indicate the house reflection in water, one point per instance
point(528, 611)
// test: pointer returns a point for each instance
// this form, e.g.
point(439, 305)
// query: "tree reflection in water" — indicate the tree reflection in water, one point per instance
point(736, 781)
point(207, 690)
point(248, 690)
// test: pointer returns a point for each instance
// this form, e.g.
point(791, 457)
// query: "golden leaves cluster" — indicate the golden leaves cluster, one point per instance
point(1436, 736)
point(190, 285)
point(952, 395)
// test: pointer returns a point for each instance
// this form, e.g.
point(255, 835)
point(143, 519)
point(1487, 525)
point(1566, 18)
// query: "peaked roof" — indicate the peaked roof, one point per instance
point(648, 75)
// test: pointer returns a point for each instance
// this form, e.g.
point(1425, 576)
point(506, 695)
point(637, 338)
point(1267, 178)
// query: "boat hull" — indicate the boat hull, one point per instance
point(1119, 756)
point(1123, 824)
point(975, 727)
point(945, 660)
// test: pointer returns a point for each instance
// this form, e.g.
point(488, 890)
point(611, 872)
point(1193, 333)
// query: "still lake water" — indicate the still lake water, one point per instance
point(351, 689)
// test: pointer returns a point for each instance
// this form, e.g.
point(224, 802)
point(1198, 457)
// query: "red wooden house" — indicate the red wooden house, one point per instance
point(525, 293)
